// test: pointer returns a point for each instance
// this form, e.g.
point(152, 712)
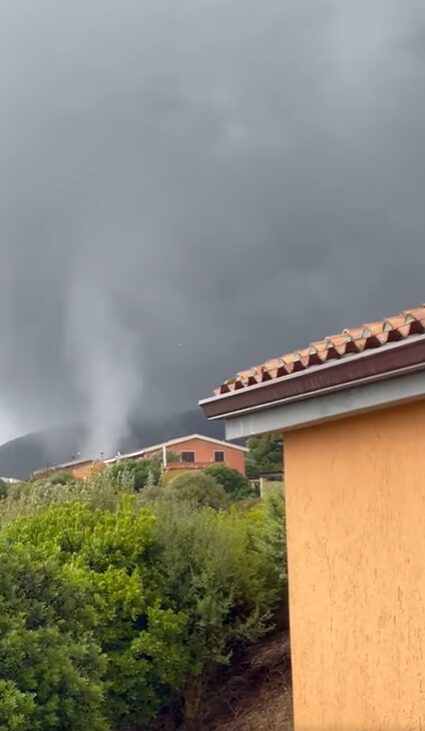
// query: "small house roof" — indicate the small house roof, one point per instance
point(173, 443)
point(64, 465)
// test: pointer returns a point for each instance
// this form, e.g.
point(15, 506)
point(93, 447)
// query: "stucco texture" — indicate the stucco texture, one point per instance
point(355, 491)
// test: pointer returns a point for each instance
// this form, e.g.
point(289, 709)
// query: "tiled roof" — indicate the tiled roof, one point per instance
point(332, 348)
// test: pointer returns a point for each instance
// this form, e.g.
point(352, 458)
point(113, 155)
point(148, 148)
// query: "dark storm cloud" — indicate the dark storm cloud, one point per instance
point(191, 187)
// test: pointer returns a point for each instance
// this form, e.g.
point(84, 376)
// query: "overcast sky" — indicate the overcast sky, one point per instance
point(188, 188)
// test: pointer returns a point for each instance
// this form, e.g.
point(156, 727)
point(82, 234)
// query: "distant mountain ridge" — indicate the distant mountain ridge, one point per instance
point(20, 457)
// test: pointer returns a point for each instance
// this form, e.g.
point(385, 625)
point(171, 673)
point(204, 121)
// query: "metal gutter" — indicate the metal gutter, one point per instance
point(326, 407)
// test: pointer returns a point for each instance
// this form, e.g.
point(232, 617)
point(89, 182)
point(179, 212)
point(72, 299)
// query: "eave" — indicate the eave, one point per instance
point(392, 360)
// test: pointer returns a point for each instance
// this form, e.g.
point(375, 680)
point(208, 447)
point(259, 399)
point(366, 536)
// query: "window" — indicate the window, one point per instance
point(188, 456)
point(218, 456)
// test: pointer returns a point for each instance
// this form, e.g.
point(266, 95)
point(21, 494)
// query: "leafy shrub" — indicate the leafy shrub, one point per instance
point(136, 473)
point(236, 485)
point(29, 498)
point(111, 610)
point(140, 473)
point(209, 568)
point(50, 668)
point(198, 489)
point(105, 554)
point(15, 707)
point(269, 537)
point(151, 494)
point(61, 477)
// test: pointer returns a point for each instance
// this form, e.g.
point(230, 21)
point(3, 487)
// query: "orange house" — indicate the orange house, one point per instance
point(351, 408)
point(194, 452)
point(78, 468)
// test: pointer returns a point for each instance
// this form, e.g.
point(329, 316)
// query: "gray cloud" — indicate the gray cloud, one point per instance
point(188, 188)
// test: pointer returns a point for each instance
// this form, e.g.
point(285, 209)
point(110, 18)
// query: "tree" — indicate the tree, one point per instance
point(136, 473)
point(265, 455)
point(198, 489)
point(236, 485)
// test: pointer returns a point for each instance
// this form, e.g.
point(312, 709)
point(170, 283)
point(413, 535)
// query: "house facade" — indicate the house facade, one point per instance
point(351, 408)
point(193, 452)
point(80, 469)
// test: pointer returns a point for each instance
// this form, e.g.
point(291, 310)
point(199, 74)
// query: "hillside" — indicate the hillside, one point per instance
point(253, 694)
point(256, 693)
point(20, 457)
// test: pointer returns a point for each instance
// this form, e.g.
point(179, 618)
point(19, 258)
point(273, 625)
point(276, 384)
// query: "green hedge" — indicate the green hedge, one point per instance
point(111, 611)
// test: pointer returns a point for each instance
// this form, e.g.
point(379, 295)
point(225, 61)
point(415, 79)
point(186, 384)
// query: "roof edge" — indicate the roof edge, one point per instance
point(334, 405)
point(384, 362)
point(171, 443)
point(65, 465)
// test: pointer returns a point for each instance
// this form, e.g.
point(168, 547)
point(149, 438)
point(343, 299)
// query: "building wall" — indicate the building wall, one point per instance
point(204, 452)
point(355, 494)
point(79, 470)
point(87, 470)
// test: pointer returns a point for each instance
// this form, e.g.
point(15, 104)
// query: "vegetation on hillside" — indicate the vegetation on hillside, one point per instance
point(120, 601)
point(3, 489)
point(235, 485)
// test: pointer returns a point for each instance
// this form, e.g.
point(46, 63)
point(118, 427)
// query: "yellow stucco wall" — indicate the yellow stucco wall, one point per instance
point(355, 493)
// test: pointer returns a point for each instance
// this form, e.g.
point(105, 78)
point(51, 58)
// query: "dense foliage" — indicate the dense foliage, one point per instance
point(136, 473)
point(265, 455)
point(140, 473)
point(112, 610)
point(199, 489)
point(236, 485)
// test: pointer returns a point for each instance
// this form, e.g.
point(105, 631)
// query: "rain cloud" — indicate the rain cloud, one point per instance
point(189, 188)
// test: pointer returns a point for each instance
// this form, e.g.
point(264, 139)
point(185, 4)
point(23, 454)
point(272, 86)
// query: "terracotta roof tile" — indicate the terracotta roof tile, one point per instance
point(350, 342)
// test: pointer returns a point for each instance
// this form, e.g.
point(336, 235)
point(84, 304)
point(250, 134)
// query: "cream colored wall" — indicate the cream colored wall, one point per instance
point(355, 493)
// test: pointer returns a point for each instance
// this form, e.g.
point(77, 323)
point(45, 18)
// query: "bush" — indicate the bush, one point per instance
point(30, 498)
point(15, 707)
point(151, 494)
point(61, 477)
point(102, 559)
point(198, 489)
point(209, 568)
point(269, 536)
point(112, 611)
point(236, 485)
point(50, 668)
point(136, 473)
